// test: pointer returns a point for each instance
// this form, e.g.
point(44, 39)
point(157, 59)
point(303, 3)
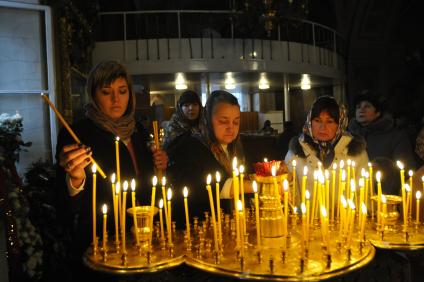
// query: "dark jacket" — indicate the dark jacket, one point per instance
point(191, 164)
point(102, 143)
point(384, 140)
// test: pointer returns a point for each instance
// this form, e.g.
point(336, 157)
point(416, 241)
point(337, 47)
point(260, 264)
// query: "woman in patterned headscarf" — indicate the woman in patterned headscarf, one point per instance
point(325, 141)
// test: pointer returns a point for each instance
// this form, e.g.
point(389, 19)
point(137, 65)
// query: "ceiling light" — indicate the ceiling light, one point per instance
point(305, 83)
point(263, 82)
point(229, 81)
point(180, 82)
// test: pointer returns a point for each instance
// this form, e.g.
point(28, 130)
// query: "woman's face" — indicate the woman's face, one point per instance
point(366, 113)
point(113, 99)
point(191, 110)
point(324, 127)
point(226, 122)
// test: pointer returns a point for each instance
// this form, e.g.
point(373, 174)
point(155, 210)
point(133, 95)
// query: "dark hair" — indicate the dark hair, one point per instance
point(188, 96)
point(106, 72)
point(326, 104)
point(217, 97)
point(370, 97)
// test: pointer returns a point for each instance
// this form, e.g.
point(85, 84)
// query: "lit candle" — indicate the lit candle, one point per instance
point(93, 170)
point(352, 221)
point(327, 190)
point(342, 182)
point(274, 179)
point(169, 197)
point(123, 216)
point(315, 196)
point(353, 170)
point(162, 233)
point(241, 170)
point(218, 205)
point(116, 212)
point(164, 198)
point(294, 182)
point(212, 207)
point(384, 215)
point(265, 160)
point(324, 227)
point(118, 166)
point(104, 209)
point(235, 187)
point(240, 211)
point(304, 179)
point(349, 167)
point(112, 181)
point(361, 197)
point(422, 180)
point(286, 205)
point(258, 229)
point(371, 182)
point(304, 229)
point(408, 203)
point(343, 211)
point(152, 207)
point(402, 183)
point(411, 176)
point(308, 213)
point(341, 169)
point(333, 191)
point(378, 178)
point(367, 181)
point(137, 240)
point(185, 193)
point(418, 196)
point(364, 219)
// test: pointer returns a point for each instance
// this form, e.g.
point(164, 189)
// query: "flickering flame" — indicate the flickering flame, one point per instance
point(133, 185)
point(185, 192)
point(255, 186)
point(217, 176)
point(154, 180)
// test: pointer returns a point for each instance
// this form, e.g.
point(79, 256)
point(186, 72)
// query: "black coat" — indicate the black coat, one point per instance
point(78, 209)
point(191, 162)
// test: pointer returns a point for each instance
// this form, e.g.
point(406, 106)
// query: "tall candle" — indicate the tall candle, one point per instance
point(112, 181)
point(351, 221)
point(212, 207)
point(353, 170)
point(349, 167)
point(241, 170)
point(418, 196)
point(364, 220)
point(378, 178)
point(240, 211)
point(218, 205)
point(304, 229)
point(94, 210)
point(343, 215)
point(333, 191)
point(286, 205)
point(324, 227)
point(123, 216)
point(164, 198)
point(235, 190)
point(274, 179)
point(411, 175)
point(422, 180)
point(304, 179)
point(118, 185)
point(408, 202)
point(341, 190)
point(118, 165)
point(104, 209)
point(383, 219)
point(361, 197)
point(169, 197)
point(258, 228)
point(294, 182)
point(308, 213)
point(315, 196)
point(162, 233)
point(327, 190)
point(152, 207)
point(185, 194)
point(371, 182)
point(137, 240)
point(116, 212)
point(402, 183)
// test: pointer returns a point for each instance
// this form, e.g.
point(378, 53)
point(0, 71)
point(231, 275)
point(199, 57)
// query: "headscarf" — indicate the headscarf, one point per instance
point(206, 133)
point(325, 149)
point(104, 74)
point(179, 124)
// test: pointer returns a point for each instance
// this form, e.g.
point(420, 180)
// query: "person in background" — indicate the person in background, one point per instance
point(267, 128)
point(110, 113)
point(207, 151)
point(324, 140)
point(184, 121)
point(386, 144)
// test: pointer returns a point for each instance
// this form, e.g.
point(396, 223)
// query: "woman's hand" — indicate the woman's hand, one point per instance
point(160, 158)
point(74, 158)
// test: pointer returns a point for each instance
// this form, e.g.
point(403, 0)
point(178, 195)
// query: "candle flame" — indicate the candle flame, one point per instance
point(418, 195)
point(185, 192)
point(343, 175)
point(351, 204)
point(241, 169)
point(240, 206)
point(133, 185)
point(234, 163)
point(378, 176)
point(273, 170)
point(323, 211)
point(361, 182)
point(169, 194)
point(363, 172)
point(265, 160)
point(154, 180)
point(327, 174)
point(307, 194)
point(118, 188)
point(285, 185)
point(319, 165)
point(295, 210)
point(349, 162)
point(364, 208)
point(334, 166)
point(161, 203)
point(294, 163)
point(255, 187)
point(163, 181)
point(321, 178)
point(383, 199)
point(305, 170)
point(209, 179)
point(117, 139)
point(303, 208)
point(407, 188)
point(236, 171)
point(400, 165)
point(410, 173)
point(315, 175)
point(370, 165)
point(217, 176)
point(125, 187)
point(341, 164)
point(104, 209)
point(422, 178)
point(113, 178)
point(94, 168)
point(343, 200)
point(367, 175)
point(353, 164)
point(352, 185)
